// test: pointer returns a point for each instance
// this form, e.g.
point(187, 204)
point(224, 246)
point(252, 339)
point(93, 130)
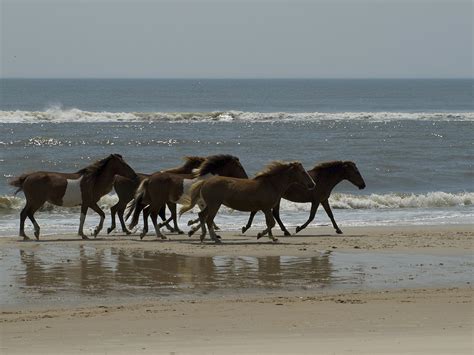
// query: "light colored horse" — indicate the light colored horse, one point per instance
point(84, 187)
point(261, 193)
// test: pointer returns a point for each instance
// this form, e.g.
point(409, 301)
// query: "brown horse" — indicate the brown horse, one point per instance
point(126, 189)
point(328, 175)
point(261, 193)
point(162, 187)
point(84, 187)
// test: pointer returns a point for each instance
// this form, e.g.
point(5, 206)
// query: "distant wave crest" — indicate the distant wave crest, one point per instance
point(59, 115)
point(438, 199)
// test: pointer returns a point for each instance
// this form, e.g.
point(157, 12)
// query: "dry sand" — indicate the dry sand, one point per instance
point(429, 320)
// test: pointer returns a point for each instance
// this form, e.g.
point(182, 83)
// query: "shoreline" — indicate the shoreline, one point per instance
point(445, 239)
point(427, 320)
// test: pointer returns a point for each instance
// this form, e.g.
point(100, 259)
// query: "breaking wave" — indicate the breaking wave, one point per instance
point(60, 115)
point(438, 199)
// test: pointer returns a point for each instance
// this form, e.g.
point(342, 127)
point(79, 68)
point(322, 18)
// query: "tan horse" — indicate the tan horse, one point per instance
point(126, 189)
point(328, 175)
point(261, 193)
point(84, 188)
point(161, 188)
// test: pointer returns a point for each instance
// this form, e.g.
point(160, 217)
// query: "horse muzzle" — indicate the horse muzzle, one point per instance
point(361, 187)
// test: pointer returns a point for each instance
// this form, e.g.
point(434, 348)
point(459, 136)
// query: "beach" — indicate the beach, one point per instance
point(429, 316)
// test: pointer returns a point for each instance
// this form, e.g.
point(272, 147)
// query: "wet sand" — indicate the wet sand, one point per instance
point(429, 316)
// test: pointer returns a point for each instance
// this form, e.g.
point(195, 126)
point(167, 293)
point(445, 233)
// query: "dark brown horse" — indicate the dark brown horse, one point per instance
point(261, 193)
point(126, 189)
point(327, 175)
point(84, 187)
point(162, 187)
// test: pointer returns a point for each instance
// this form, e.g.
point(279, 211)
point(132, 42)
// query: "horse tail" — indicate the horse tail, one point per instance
point(194, 193)
point(18, 182)
point(136, 206)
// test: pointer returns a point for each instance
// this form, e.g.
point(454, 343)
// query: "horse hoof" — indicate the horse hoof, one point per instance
point(180, 231)
point(216, 228)
point(218, 237)
point(298, 229)
point(338, 231)
point(259, 235)
point(190, 222)
point(202, 238)
point(287, 234)
point(274, 240)
point(142, 236)
point(244, 230)
point(85, 237)
point(25, 237)
point(218, 240)
point(163, 237)
point(110, 229)
point(127, 232)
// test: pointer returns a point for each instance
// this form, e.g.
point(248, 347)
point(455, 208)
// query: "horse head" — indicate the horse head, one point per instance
point(120, 167)
point(352, 174)
point(300, 175)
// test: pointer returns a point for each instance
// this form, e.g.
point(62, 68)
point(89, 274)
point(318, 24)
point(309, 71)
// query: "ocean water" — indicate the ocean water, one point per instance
point(411, 139)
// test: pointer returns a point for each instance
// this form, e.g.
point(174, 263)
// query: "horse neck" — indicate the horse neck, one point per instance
point(279, 182)
point(327, 179)
point(103, 182)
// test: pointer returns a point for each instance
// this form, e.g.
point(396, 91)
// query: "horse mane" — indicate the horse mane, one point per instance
point(331, 166)
point(213, 162)
point(193, 161)
point(275, 167)
point(95, 168)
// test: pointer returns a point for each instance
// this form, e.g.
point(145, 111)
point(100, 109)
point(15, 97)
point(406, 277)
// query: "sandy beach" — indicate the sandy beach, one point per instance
point(396, 319)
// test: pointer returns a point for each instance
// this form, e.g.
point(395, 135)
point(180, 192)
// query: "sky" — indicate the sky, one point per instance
point(236, 39)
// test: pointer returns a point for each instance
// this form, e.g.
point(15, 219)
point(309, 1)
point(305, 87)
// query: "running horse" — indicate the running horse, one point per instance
point(261, 193)
point(126, 189)
point(327, 175)
point(161, 188)
point(84, 187)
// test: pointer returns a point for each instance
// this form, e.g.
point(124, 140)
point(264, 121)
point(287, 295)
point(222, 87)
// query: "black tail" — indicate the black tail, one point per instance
point(18, 182)
point(137, 205)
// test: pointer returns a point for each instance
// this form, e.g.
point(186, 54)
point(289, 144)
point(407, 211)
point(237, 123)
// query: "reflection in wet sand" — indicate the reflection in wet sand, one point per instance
point(81, 273)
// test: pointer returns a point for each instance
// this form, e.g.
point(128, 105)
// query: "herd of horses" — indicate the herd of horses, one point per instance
point(208, 182)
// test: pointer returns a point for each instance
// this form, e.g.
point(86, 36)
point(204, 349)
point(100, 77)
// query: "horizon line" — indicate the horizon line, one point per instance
point(234, 78)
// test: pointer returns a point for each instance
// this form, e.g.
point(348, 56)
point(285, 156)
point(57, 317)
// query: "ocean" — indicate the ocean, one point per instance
point(411, 139)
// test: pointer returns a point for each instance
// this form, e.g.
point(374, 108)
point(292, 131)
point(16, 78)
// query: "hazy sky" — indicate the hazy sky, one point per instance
point(236, 39)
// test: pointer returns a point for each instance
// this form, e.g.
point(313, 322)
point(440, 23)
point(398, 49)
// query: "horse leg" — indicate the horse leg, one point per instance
point(211, 214)
point(82, 220)
point(120, 213)
point(314, 208)
point(154, 216)
point(146, 213)
point(270, 224)
point(31, 213)
point(249, 222)
point(276, 215)
point(174, 214)
point(113, 210)
point(166, 222)
point(23, 215)
point(327, 208)
point(101, 214)
point(203, 218)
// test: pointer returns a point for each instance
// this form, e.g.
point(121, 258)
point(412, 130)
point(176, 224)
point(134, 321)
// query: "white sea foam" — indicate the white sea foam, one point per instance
point(58, 115)
point(438, 199)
